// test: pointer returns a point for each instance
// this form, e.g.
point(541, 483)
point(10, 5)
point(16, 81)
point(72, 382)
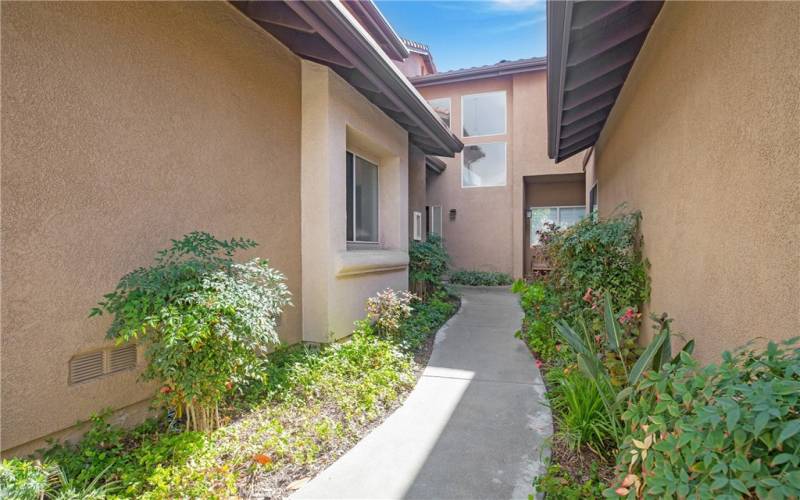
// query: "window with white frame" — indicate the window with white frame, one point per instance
point(362, 200)
point(561, 216)
point(483, 114)
point(435, 220)
point(483, 165)
point(417, 226)
point(442, 108)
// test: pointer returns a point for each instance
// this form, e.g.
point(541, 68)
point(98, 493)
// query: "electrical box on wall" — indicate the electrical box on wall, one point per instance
point(452, 214)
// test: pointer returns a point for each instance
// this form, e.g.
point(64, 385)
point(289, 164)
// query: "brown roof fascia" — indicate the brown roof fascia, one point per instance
point(437, 165)
point(490, 71)
point(373, 21)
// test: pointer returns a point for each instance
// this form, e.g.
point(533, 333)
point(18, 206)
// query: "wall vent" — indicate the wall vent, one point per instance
point(122, 358)
point(93, 365)
point(86, 367)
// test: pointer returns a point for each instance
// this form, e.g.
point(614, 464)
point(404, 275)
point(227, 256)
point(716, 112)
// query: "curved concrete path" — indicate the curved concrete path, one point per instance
point(473, 427)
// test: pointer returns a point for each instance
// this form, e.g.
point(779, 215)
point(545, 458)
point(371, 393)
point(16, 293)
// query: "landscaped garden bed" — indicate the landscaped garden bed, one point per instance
point(634, 419)
point(241, 423)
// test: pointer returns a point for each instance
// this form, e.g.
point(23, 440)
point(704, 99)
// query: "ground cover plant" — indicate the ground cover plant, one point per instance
point(312, 405)
point(480, 278)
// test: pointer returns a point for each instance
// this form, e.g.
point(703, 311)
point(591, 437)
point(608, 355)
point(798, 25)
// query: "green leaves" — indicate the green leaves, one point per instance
point(206, 320)
point(646, 358)
point(736, 425)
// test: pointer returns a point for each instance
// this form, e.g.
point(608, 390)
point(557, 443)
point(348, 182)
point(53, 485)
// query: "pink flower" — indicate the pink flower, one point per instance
point(538, 364)
point(587, 297)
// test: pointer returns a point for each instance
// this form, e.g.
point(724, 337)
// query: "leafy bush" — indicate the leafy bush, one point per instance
point(388, 309)
point(601, 256)
point(599, 360)
point(24, 479)
point(724, 431)
point(206, 321)
point(480, 278)
point(542, 307)
point(428, 262)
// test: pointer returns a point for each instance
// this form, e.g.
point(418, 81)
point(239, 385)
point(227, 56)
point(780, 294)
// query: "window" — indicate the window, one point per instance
point(418, 226)
point(442, 108)
point(483, 114)
point(362, 200)
point(561, 216)
point(435, 220)
point(483, 165)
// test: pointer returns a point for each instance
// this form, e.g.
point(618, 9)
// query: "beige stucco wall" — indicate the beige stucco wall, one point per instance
point(337, 281)
point(125, 125)
point(477, 238)
point(705, 141)
point(489, 229)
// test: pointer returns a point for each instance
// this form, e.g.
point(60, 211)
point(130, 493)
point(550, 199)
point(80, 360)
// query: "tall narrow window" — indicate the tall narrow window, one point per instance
point(362, 200)
point(417, 227)
point(593, 199)
point(435, 222)
point(483, 114)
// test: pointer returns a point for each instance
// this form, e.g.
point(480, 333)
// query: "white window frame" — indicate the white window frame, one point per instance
point(505, 114)
point(449, 106)
point(431, 219)
point(558, 216)
point(417, 232)
point(505, 166)
point(377, 166)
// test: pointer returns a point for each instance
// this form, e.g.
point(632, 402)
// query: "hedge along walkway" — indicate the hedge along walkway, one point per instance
point(474, 427)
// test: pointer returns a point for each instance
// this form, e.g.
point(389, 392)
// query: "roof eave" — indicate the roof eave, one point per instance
point(493, 71)
point(591, 48)
point(344, 33)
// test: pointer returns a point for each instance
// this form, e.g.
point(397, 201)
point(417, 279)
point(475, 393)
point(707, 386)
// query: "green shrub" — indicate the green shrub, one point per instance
point(617, 365)
point(24, 479)
point(480, 278)
point(727, 431)
point(428, 262)
point(542, 307)
point(598, 257)
point(206, 321)
point(388, 309)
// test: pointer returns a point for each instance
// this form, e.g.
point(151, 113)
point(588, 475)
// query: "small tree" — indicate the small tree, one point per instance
point(427, 264)
point(205, 320)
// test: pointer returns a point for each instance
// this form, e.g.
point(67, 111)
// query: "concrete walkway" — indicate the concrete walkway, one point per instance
point(473, 427)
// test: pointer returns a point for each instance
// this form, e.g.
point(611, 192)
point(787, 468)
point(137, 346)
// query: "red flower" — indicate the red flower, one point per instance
point(165, 390)
point(229, 385)
point(538, 364)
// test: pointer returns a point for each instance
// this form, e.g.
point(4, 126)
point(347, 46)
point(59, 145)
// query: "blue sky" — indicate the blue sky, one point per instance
point(461, 34)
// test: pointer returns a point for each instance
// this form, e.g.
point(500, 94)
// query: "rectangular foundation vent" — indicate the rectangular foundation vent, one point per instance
point(93, 365)
point(122, 358)
point(86, 367)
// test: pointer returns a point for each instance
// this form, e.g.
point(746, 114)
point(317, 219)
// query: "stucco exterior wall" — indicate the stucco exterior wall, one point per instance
point(705, 141)
point(490, 226)
point(476, 238)
point(530, 157)
point(125, 125)
point(337, 280)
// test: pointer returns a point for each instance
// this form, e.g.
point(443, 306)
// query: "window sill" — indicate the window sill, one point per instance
point(355, 262)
